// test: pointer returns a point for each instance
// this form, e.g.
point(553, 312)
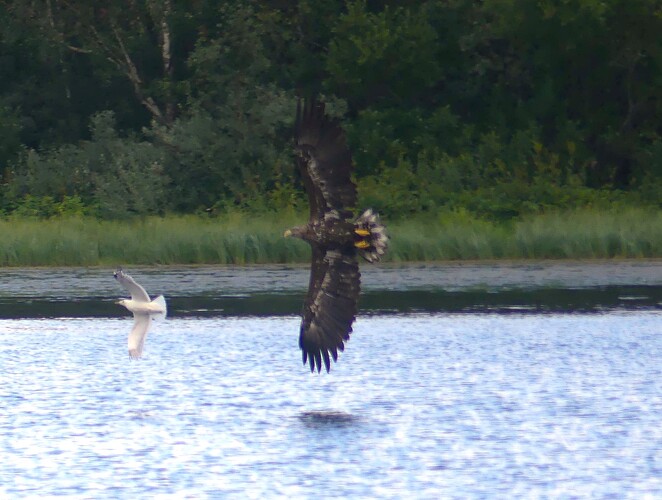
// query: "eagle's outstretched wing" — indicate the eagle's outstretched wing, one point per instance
point(330, 307)
point(324, 160)
point(137, 292)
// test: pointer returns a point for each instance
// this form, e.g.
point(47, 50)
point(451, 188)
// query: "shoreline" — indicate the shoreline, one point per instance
point(364, 265)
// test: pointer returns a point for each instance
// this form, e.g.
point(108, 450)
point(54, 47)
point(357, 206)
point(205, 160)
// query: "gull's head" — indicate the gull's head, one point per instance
point(121, 302)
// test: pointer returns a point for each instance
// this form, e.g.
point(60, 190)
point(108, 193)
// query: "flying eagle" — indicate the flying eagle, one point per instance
point(336, 237)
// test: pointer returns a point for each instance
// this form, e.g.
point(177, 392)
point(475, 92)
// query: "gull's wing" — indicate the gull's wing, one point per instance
point(330, 307)
point(137, 292)
point(138, 334)
point(324, 160)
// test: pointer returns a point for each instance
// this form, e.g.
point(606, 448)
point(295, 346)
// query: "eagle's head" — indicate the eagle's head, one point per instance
point(296, 232)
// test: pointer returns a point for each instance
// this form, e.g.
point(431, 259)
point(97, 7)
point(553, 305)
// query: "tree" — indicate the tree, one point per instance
point(144, 41)
point(226, 147)
point(386, 56)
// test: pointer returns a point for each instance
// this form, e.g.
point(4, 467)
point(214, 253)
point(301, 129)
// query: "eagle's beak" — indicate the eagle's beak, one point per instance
point(287, 233)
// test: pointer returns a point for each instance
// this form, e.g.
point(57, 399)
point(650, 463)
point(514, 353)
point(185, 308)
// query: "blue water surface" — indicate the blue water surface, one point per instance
point(437, 405)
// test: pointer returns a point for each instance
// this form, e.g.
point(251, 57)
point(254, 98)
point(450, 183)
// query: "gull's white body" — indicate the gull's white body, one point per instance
point(143, 310)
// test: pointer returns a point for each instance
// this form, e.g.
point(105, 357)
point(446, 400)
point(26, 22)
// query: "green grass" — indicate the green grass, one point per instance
point(578, 234)
point(239, 238)
point(631, 233)
point(235, 239)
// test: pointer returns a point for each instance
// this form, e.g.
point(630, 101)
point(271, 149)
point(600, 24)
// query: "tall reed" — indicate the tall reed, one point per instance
point(628, 233)
point(239, 238)
point(235, 239)
point(577, 234)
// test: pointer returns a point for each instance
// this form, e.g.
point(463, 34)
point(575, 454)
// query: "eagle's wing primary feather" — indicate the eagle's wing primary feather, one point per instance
point(330, 307)
point(324, 160)
point(137, 292)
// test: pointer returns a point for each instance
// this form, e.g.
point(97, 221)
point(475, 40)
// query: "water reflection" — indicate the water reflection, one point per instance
point(279, 290)
point(329, 418)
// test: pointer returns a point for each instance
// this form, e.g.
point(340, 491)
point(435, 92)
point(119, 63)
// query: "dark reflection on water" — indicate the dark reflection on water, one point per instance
point(279, 290)
point(372, 302)
point(328, 418)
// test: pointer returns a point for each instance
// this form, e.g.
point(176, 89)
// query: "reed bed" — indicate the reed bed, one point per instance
point(577, 234)
point(235, 239)
point(239, 238)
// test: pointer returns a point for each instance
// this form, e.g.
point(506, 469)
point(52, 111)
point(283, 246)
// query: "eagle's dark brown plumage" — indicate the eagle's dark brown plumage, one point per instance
point(325, 164)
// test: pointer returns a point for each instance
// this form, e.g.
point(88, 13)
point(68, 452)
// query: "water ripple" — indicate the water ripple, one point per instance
point(426, 406)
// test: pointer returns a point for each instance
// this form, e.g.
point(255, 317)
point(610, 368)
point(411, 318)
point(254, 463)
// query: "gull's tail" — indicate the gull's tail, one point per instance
point(160, 307)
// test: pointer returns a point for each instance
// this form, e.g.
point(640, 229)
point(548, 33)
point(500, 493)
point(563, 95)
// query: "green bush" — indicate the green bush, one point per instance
point(47, 206)
point(108, 175)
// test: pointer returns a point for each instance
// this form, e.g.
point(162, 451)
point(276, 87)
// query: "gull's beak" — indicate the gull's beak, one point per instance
point(287, 233)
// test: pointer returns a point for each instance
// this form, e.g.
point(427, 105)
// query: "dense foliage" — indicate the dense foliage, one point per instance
point(495, 107)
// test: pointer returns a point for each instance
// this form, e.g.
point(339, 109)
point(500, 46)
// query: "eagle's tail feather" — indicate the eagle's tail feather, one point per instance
point(370, 236)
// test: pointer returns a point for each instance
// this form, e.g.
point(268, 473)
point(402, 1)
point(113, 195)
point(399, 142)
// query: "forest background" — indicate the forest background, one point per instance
point(492, 110)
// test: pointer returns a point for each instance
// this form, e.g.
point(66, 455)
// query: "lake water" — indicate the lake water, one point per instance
point(460, 381)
